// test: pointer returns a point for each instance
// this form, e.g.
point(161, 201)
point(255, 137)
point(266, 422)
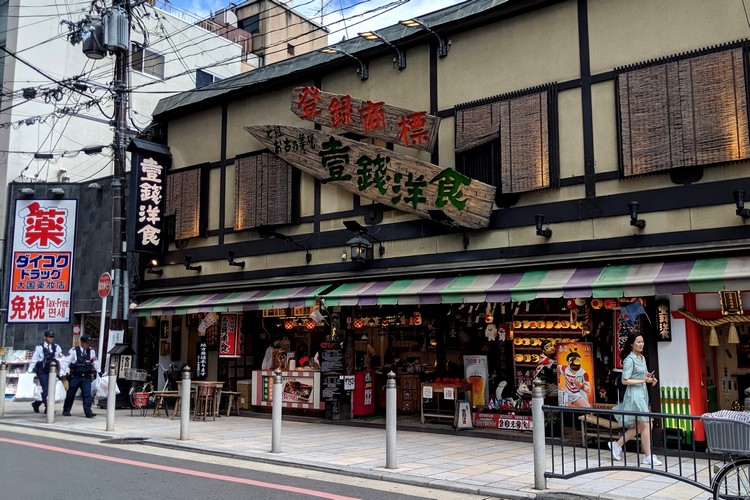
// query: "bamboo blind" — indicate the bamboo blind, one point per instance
point(263, 192)
point(524, 144)
point(477, 125)
point(684, 113)
point(183, 201)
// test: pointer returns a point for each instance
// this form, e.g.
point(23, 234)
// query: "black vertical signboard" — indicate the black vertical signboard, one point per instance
point(148, 173)
point(331, 370)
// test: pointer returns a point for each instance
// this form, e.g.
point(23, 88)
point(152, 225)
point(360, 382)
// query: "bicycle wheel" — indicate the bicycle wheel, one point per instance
point(733, 481)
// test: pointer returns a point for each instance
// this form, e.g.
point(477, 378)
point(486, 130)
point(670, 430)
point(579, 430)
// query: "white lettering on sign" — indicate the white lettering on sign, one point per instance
point(149, 202)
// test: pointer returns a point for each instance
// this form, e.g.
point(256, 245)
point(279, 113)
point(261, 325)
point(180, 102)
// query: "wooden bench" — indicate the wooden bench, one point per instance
point(162, 397)
point(596, 426)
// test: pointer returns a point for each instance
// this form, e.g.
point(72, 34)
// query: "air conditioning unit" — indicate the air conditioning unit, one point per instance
point(116, 30)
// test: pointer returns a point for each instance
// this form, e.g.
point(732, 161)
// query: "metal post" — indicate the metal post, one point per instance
point(51, 386)
point(537, 421)
point(185, 405)
point(276, 413)
point(119, 263)
point(390, 422)
point(3, 374)
point(111, 397)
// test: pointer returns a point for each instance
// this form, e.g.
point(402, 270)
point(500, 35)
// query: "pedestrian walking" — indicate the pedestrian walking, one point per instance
point(41, 360)
point(83, 365)
point(635, 376)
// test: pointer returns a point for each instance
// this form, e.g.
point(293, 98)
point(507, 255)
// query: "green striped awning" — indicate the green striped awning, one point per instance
point(626, 280)
point(622, 280)
point(231, 302)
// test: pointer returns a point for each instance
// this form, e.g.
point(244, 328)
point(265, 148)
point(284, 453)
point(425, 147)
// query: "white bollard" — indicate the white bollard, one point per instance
point(51, 386)
point(3, 374)
point(276, 413)
point(185, 405)
point(391, 421)
point(537, 421)
point(111, 397)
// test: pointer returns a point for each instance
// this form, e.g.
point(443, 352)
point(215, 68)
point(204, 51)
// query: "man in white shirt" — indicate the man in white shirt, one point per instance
point(41, 360)
point(83, 365)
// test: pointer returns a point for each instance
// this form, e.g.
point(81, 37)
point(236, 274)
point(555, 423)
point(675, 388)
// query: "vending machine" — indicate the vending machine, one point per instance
point(363, 394)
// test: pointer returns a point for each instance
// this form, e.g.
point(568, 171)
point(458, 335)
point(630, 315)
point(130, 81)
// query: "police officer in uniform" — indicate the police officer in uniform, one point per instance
point(83, 365)
point(40, 364)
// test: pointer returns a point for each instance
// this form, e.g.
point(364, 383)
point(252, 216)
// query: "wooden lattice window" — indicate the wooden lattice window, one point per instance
point(683, 113)
point(508, 140)
point(183, 201)
point(263, 192)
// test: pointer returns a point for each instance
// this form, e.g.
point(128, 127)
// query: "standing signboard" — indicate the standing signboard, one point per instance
point(331, 371)
point(42, 261)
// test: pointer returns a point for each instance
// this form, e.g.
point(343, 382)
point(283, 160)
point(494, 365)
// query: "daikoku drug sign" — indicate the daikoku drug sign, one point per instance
point(42, 264)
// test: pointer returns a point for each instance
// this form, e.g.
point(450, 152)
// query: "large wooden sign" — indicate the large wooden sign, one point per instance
point(413, 129)
point(381, 175)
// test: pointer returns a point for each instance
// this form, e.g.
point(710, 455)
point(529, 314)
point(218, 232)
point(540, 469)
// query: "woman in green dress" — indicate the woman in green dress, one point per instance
point(635, 376)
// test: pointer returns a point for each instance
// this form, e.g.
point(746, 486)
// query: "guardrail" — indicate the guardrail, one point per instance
point(576, 443)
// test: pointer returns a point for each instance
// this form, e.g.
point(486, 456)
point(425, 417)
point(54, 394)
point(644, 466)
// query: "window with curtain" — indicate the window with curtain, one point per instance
point(683, 112)
point(147, 61)
point(183, 202)
point(263, 193)
point(509, 141)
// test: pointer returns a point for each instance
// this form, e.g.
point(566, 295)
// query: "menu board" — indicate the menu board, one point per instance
point(331, 358)
point(331, 367)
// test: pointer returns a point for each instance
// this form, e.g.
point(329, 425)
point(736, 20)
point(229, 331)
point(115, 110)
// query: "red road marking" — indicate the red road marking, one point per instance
point(180, 470)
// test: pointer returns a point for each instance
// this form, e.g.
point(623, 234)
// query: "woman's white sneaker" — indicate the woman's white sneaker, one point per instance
point(616, 450)
point(651, 460)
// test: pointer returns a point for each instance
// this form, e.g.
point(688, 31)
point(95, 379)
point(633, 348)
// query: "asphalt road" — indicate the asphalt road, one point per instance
point(43, 464)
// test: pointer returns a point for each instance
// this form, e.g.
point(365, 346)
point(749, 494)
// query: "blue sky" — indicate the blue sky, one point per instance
point(344, 18)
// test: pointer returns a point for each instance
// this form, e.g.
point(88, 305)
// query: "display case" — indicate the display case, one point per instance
point(17, 362)
point(528, 334)
point(300, 389)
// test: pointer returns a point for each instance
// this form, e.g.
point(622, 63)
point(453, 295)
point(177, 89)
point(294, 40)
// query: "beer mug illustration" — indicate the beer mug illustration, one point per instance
point(476, 379)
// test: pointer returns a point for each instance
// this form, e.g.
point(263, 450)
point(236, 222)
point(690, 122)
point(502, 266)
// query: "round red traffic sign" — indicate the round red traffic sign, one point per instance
point(105, 285)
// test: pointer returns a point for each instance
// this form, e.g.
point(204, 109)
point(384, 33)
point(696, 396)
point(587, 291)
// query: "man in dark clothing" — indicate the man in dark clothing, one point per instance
point(84, 366)
point(44, 354)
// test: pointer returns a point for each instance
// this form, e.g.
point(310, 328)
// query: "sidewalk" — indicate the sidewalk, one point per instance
point(449, 461)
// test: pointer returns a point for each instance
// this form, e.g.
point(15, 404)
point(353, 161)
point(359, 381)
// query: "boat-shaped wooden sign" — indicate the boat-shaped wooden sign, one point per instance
point(384, 176)
point(344, 113)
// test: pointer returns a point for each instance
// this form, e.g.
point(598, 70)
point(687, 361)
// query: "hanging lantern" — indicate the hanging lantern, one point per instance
point(288, 324)
point(359, 322)
point(310, 324)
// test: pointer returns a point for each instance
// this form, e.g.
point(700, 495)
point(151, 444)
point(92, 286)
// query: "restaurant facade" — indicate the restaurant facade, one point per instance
point(467, 200)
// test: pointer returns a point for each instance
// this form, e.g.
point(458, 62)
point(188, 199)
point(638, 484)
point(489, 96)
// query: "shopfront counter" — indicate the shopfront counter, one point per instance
point(438, 392)
point(300, 389)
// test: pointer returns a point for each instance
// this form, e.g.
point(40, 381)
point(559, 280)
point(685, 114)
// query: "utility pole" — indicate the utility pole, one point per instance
point(107, 31)
point(119, 262)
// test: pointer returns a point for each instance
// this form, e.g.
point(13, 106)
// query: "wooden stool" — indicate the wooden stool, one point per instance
point(205, 401)
point(233, 401)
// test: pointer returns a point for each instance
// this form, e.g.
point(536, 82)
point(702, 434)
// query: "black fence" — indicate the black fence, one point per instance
point(578, 442)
